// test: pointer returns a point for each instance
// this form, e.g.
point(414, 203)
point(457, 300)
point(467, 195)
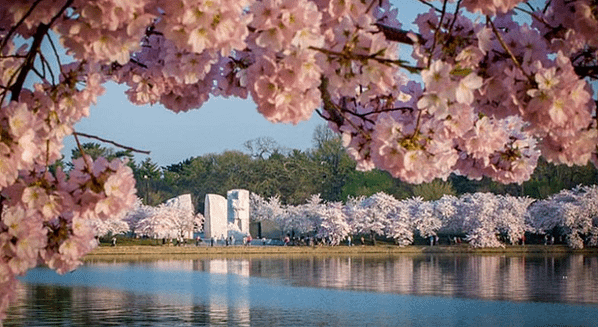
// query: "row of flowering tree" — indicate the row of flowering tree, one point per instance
point(487, 220)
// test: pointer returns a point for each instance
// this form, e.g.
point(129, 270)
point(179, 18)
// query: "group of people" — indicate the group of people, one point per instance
point(228, 240)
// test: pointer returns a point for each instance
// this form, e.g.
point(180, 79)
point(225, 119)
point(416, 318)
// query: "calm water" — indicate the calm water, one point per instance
point(432, 290)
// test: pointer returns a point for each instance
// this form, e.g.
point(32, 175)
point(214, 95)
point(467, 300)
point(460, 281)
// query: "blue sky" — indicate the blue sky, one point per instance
point(219, 125)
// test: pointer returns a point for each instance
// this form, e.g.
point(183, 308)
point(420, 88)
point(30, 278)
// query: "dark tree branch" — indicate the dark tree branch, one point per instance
point(14, 28)
point(110, 142)
point(41, 32)
point(436, 33)
point(398, 35)
point(583, 71)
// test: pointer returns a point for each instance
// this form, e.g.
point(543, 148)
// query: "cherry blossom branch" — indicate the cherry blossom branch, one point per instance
point(42, 30)
point(370, 6)
point(41, 75)
point(387, 110)
point(29, 61)
point(110, 142)
point(336, 113)
point(353, 56)
point(508, 50)
point(46, 64)
point(424, 2)
point(7, 88)
point(82, 152)
point(14, 28)
point(534, 16)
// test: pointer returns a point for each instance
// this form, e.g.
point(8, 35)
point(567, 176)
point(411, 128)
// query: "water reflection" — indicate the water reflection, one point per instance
point(316, 290)
point(552, 278)
point(545, 278)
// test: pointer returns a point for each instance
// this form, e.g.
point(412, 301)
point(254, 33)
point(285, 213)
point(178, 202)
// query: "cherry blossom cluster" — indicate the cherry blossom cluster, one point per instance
point(182, 51)
point(478, 80)
point(490, 7)
point(284, 76)
point(34, 127)
point(47, 217)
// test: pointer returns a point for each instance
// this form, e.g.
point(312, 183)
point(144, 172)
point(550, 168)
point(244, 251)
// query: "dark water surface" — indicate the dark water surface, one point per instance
point(426, 290)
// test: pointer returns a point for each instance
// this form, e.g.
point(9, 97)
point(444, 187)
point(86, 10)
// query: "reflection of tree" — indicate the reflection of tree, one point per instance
point(515, 278)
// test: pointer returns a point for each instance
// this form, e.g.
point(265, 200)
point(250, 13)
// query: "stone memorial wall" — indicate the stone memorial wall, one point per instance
point(216, 216)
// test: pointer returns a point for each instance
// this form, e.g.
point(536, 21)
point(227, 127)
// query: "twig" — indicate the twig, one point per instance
point(87, 163)
point(534, 16)
point(49, 69)
point(354, 56)
point(429, 5)
point(436, 32)
point(371, 5)
point(55, 52)
point(455, 17)
point(110, 142)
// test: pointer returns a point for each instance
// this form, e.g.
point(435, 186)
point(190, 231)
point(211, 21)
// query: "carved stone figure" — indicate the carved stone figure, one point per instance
point(238, 209)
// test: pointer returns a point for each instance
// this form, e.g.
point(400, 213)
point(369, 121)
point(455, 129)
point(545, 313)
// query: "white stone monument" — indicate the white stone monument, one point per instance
point(182, 201)
point(238, 209)
point(215, 213)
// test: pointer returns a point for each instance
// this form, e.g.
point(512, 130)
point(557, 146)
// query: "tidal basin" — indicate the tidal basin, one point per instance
point(316, 290)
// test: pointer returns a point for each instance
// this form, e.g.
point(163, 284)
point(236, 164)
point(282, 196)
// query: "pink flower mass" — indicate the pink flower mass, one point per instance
point(496, 92)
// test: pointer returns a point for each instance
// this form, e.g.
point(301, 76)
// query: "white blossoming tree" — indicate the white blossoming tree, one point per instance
point(375, 217)
point(333, 224)
point(424, 218)
point(573, 212)
point(478, 219)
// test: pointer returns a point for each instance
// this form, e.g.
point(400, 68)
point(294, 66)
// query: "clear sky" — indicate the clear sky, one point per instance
point(219, 125)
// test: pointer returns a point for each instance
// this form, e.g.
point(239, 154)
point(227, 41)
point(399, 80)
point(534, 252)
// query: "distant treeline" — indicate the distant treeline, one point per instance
point(267, 169)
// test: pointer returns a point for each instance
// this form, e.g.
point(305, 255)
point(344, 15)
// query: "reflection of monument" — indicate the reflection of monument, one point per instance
point(238, 209)
point(233, 306)
point(215, 214)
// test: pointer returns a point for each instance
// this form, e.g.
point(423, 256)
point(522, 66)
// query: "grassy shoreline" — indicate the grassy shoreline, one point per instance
point(144, 252)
